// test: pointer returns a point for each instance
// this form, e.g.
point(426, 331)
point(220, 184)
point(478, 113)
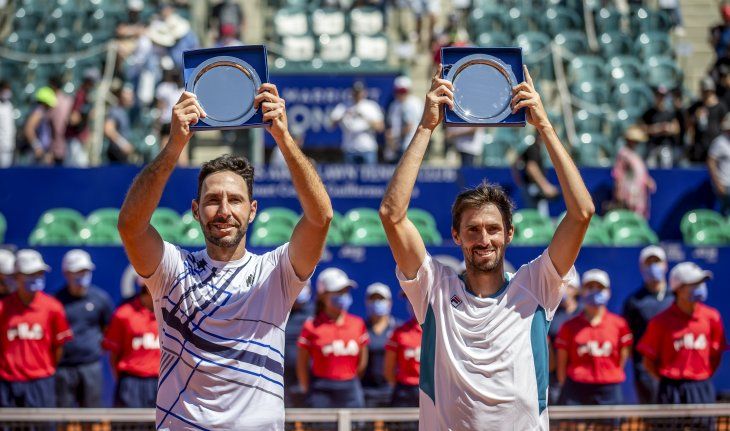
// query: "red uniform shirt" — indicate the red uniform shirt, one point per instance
point(132, 335)
point(334, 347)
point(29, 336)
point(406, 343)
point(684, 346)
point(594, 352)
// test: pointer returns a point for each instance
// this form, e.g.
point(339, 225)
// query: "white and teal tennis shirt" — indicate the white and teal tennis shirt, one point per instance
point(484, 361)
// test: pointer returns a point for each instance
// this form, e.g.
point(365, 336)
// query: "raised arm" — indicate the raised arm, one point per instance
point(141, 241)
point(403, 237)
point(308, 239)
point(564, 247)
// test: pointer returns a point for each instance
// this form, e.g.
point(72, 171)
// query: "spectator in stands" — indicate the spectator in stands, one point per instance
point(380, 324)
point(77, 132)
point(720, 34)
point(569, 307)
point(302, 310)
point(227, 20)
point(181, 31)
point(38, 129)
point(683, 345)
point(88, 310)
point(403, 362)
point(529, 170)
point(705, 117)
point(117, 126)
point(718, 164)
point(130, 30)
point(167, 93)
point(7, 273)
point(59, 115)
point(593, 347)
point(134, 347)
point(660, 122)
point(227, 37)
point(468, 142)
point(336, 344)
point(403, 117)
point(359, 119)
point(632, 182)
point(643, 305)
point(7, 125)
point(33, 330)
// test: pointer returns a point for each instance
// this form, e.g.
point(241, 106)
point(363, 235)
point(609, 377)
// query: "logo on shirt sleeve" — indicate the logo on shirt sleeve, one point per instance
point(455, 301)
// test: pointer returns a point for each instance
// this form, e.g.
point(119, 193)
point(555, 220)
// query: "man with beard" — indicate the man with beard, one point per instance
point(222, 310)
point(484, 354)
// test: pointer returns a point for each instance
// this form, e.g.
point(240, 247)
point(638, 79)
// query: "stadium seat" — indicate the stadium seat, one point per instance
point(596, 236)
point(489, 19)
point(532, 235)
point(708, 236)
point(615, 43)
point(277, 215)
point(290, 22)
point(328, 21)
point(100, 235)
point(165, 218)
point(634, 95)
point(632, 236)
point(588, 122)
point(573, 42)
point(270, 236)
point(298, 48)
point(558, 19)
point(54, 234)
point(366, 21)
point(430, 236)
point(421, 217)
point(106, 216)
point(335, 237)
point(368, 235)
point(192, 236)
point(663, 71)
point(592, 91)
point(623, 217)
point(624, 68)
point(494, 149)
point(694, 220)
point(371, 48)
point(359, 217)
point(524, 19)
point(534, 44)
point(653, 44)
point(644, 20)
point(335, 49)
point(529, 217)
point(62, 216)
point(493, 39)
point(608, 20)
point(586, 68)
point(594, 150)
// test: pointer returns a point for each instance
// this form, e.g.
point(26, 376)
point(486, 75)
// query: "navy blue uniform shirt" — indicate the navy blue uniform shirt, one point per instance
point(641, 307)
point(87, 315)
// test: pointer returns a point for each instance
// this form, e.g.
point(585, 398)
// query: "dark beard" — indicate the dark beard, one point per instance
point(224, 242)
point(485, 267)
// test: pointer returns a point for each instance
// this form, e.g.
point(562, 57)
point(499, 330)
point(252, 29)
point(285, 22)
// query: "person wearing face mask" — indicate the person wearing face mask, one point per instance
point(335, 343)
point(650, 299)
point(7, 273)
point(7, 125)
point(683, 345)
point(88, 309)
point(593, 347)
point(402, 364)
point(302, 310)
point(33, 330)
point(569, 307)
point(380, 324)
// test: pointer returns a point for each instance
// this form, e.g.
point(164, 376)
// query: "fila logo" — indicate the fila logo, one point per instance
point(24, 331)
point(689, 342)
point(339, 348)
point(596, 350)
point(249, 280)
point(455, 301)
point(148, 341)
point(413, 354)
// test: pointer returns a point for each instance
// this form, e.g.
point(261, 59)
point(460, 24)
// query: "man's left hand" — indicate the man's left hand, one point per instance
point(274, 109)
point(525, 96)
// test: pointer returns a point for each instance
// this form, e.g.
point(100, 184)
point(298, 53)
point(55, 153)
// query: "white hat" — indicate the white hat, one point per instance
point(573, 281)
point(402, 83)
point(77, 260)
point(687, 273)
point(135, 5)
point(597, 275)
point(652, 251)
point(333, 280)
point(159, 33)
point(378, 289)
point(7, 262)
point(29, 261)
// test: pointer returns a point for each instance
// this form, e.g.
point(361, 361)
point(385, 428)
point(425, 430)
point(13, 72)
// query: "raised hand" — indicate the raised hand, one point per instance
point(186, 112)
point(525, 96)
point(441, 93)
point(274, 109)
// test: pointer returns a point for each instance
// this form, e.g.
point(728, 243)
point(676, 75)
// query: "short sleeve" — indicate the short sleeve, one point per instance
point(171, 265)
point(649, 344)
point(61, 330)
point(375, 113)
point(545, 282)
point(338, 113)
point(306, 336)
point(717, 338)
point(113, 336)
point(563, 339)
point(392, 344)
point(107, 309)
point(418, 290)
point(626, 338)
point(364, 338)
point(284, 275)
point(715, 148)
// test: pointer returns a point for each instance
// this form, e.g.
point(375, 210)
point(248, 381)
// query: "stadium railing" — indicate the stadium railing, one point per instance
point(624, 417)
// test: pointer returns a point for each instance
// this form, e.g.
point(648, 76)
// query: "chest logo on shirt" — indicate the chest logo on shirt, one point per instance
point(249, 280)
point(147, 341)
point(455, 301)
point(595, 349)
point(412, 354)
point(339, 348)
point(690, 342)
point(25, 331)
point(89, 306)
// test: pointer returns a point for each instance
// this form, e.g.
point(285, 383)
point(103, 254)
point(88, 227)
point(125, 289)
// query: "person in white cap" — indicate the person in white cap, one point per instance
point(7, 273)
point(593, 347)
point(641, 306)
point(33, 330)
point(335, 343)
point(569, 307)
point(380, 324)
point(88, 310)
point(402, 119)
point(302, 310)
point(683, 345)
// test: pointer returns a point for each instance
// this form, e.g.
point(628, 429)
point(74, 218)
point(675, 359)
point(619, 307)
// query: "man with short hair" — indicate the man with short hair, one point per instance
point(7, 273)
point(484, 356)
point(222, 310)
point(33, 330)
point(649, 300)
point(88, 309)
point(359, 119)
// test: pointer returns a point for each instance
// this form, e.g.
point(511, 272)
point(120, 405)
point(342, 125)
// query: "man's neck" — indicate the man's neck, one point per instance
point(226, 254)
point(594, 314)
point(687, 307)
point(25, 296)
point(485, 284)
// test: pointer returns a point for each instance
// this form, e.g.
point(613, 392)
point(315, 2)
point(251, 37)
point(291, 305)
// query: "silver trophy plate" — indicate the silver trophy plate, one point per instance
point(482, 88)
point(225, 87)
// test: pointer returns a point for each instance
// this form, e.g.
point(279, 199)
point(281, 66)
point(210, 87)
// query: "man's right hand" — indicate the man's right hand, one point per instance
point(186, 112)
point(441, 93)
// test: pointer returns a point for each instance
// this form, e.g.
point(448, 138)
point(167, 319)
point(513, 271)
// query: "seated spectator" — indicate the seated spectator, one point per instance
point(134, 347)
point(60, 115)
point(683, 345)
point(38, 130)
point(593, 347)
point(302, 310)
point(661, 124)
point(336, 344)
point(88, 310)
point(30, 321)
point(359, 119)
point(632, 182)
point(380, 324)
point(705, 117)
point(643, 305)
point(718, 164)
point(7, 125)
point(402, 364)
point(7, 273)
point(118, 128)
